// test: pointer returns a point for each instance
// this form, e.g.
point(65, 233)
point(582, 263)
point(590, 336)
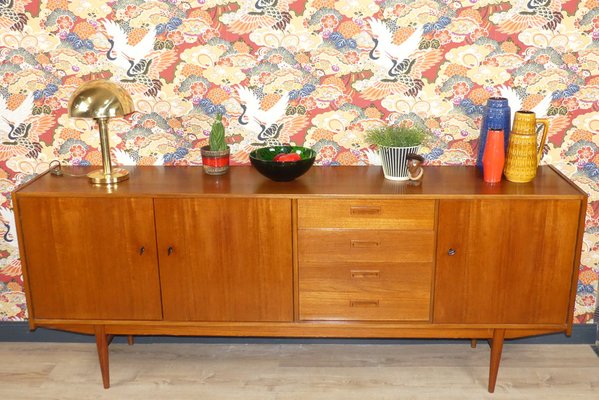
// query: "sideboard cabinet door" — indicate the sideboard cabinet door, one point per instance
point(225, 259)
point(505, 261)
point(91, 258)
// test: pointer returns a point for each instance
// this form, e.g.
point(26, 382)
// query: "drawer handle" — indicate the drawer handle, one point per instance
point(365, 243)
point(169, 251)
point(142, 250)
point(364, 210)
point(451, 252)
point(363, 303)
point(359, 274)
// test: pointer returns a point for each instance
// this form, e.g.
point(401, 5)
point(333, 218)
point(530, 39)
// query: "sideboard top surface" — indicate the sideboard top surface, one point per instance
point(241, 181)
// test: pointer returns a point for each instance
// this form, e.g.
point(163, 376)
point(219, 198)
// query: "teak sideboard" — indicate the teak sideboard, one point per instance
point(340, 252)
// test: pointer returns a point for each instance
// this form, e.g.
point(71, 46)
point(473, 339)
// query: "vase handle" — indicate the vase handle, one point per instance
point(545, 123)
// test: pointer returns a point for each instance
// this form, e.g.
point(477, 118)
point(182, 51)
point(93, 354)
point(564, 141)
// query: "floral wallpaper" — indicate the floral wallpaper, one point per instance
point(316, 73)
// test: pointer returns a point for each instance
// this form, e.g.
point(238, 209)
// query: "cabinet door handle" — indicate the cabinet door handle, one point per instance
point(364, 210)
point(365, 243)
point(363, 303)
point(358, 274)
point(451, 252)
point(169, 251)
point(142, 250)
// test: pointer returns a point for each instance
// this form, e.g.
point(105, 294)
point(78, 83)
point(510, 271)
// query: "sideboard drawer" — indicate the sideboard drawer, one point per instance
point(365, 246)
point(361, 307)
point(362, 291)
point(388, 278)
point(366, 214)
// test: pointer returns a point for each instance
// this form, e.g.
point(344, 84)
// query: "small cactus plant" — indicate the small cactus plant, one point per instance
point(217, 135)
point(215, 155)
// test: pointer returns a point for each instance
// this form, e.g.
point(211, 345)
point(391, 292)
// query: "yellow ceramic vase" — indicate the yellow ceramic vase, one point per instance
point(524, 153)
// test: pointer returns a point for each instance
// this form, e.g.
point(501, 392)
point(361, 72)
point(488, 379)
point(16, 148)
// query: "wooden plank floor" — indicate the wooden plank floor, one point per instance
point(296, 371)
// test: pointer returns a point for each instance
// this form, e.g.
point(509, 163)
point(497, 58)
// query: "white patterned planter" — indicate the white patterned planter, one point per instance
point(395, 166)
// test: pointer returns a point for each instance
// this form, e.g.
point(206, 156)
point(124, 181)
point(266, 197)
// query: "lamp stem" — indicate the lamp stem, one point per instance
point(104, 145)
point(107, 175)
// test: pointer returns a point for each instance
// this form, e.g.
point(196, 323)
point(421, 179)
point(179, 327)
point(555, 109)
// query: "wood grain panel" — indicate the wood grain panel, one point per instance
point(347, 245)
point(366, 214)
point(318, 182)
point(389, 278)
point(84, 258)
point(362, 306)
point(513, 260)
point(365, 291)
point(230, 259)
point(382, 329)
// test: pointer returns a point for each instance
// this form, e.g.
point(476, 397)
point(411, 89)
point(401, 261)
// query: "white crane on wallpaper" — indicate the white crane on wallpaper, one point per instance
point(385, 52)
point(141, 63)
point(121, 53)
point(256, 119)
point(20, 131)
point(11, 120)
point(403, 64)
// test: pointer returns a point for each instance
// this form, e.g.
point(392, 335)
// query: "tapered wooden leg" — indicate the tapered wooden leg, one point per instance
point(130, 340)
point(473, 343)
point(102, 345)
point(496, 348)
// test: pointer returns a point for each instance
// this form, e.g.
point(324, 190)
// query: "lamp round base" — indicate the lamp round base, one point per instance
point(99, 178)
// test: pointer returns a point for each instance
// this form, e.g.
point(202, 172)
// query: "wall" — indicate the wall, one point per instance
point(311, 61)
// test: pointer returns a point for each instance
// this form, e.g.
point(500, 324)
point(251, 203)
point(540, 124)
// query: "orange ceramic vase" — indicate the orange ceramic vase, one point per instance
point(524, 153)
point(494, 156)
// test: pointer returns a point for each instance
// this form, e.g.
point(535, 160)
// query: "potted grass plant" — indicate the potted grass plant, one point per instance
point(394, 143)
point(215, 156)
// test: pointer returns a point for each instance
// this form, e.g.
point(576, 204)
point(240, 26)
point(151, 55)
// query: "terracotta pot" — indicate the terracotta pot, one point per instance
point(215, 162)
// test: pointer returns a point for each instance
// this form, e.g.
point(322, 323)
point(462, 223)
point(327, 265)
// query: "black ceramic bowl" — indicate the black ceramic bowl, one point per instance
point(262, 160)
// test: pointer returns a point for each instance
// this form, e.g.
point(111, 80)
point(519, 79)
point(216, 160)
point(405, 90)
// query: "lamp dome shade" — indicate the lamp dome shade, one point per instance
point(100, 99)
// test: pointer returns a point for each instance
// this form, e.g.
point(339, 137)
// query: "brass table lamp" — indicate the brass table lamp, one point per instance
point(101, 99)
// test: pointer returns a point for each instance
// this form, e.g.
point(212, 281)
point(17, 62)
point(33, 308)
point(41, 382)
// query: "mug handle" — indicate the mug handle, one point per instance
point(545, 122)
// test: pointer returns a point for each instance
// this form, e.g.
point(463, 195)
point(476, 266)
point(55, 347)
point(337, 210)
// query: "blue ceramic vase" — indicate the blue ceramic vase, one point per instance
point(495, 116)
